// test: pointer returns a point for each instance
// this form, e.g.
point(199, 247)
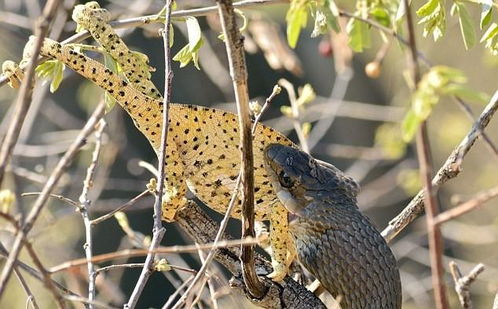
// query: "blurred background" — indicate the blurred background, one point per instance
point(354, 115)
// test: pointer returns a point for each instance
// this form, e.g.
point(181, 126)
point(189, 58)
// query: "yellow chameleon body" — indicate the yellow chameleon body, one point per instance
point(202, 144)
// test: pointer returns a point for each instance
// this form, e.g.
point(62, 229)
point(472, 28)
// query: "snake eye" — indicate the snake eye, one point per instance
point(285, 180)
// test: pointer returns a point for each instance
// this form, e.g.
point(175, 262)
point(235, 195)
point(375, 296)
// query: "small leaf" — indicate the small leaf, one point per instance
point(428, 9)
point(467, 93)
point(306, 95)
point(57, 76)
point(466, 26)
point(287, 111)
point(358, 35)
point(490, 33)
point(190, 52)
point(52, 70)
point(297, 17)
point(409, 126)
point(486, 13)
point(194, 32)
point(381, 15)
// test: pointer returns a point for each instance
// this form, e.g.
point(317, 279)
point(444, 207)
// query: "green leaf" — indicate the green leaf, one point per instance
point(381, 15)
point(409, 126)
point(490, 33)
point(467, 93)
point(52, 70)
point(190, 52)
point(297, 17)
point(434, 19)
point(429, 8)
point(486, 13)
point(466, 26)
point(57, 76)
point(358, 35)
point(194, 33)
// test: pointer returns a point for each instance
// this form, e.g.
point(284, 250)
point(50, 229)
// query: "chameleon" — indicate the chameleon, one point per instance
point(333, 239)
point(202, 143)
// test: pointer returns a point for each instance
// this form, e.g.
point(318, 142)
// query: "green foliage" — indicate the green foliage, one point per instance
point(433, 17)
point(388, 138)
point(297, 17)
point(52, 70)
point(325, 14)
point(439, 81)
point(190, 52)
point(359, 36)
point(466, 26)
point(486, 13)
point(490, 37)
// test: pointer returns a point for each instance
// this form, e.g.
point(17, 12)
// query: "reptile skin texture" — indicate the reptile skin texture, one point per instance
point(334, 240)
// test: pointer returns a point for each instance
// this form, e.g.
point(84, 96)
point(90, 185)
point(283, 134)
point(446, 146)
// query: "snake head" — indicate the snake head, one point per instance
point(299, 179)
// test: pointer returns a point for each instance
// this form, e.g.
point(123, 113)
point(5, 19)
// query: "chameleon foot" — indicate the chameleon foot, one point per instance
point(279, 272)
point(13, 73)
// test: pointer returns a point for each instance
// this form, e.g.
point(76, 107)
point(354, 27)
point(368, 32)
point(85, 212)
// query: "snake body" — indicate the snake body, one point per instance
point(334, 240)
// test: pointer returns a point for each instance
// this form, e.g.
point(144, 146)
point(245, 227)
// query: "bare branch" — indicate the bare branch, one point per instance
point(47, 189)
point(448, 171)
point(462, 283)
point(158, 231)
point(425, 162)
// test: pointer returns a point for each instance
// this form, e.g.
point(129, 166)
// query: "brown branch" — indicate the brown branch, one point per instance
point(287, 294)
point(129, 253)
point(35, 274)
point(25, 93)
point(448, 171)
point(234, 44)
point(425, 162)
point(157, 230)
point(120, 208)
point(462, 283)
point(467, 206)
point(47, 189)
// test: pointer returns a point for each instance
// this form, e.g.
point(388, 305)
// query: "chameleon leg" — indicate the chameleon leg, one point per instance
point(279, 240)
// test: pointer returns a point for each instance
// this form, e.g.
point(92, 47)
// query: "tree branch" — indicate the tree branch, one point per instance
point(234, 43)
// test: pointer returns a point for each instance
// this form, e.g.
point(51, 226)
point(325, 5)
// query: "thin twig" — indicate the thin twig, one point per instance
point(120, 208)
point(276, 90)
point(216, 244)
point(141, 252)
point(296, 115)
point(448, 171)
point(84, 208)
point(234, 44)
point(144, 20)
point(30, 297)
point(430, 201)
point(57, 196)
point(179, 290)
point(47, 189)
point(49, 284)
point(24, 98)
point(462, 283)
point(35, 274)
point(469, 205)
point(157, 230)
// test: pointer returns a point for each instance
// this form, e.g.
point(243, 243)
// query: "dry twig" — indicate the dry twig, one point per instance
point(462, 283)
